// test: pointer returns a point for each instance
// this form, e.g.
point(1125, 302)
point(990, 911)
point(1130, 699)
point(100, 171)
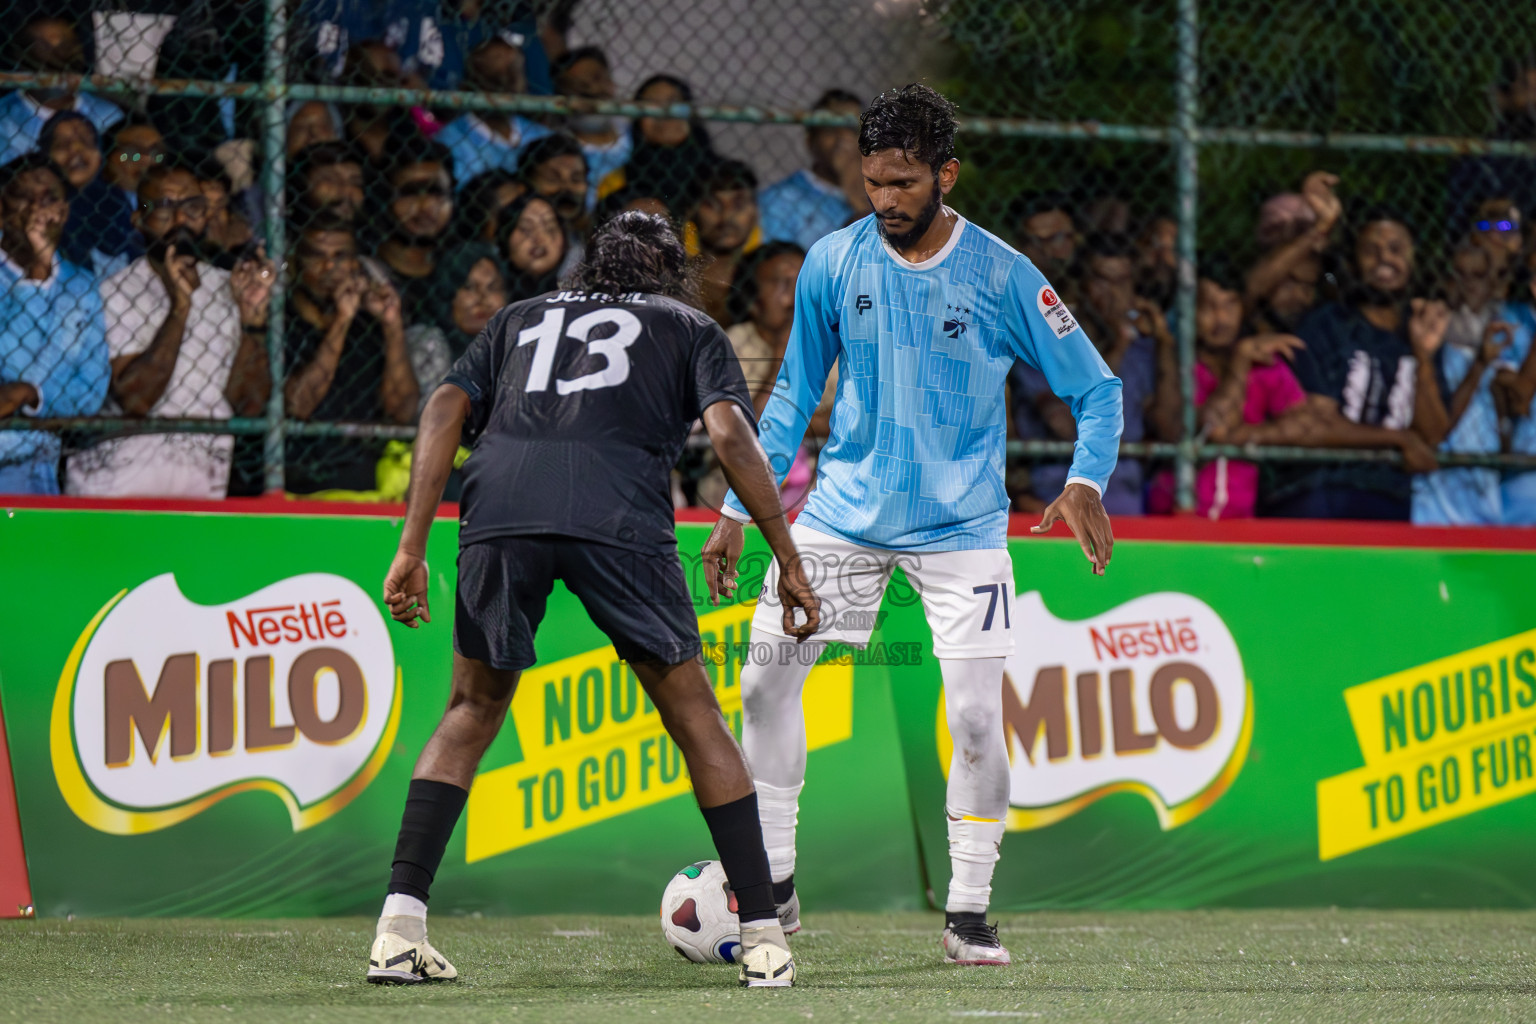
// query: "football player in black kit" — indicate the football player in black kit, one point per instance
point(576, 405)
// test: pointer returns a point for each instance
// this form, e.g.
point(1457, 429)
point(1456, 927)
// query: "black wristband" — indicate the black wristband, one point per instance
point(254, 328)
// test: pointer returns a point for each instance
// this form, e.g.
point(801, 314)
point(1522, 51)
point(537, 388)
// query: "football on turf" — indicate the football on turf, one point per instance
point(698, 914)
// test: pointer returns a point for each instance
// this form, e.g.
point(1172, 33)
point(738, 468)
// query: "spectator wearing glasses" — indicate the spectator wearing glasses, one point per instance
point(132, 148)
point(186, 339)
point(817, 200)
point(488, 140)
point(1045, 231)
point(46, 44)
point(1496, 226)
point(99, 234)
point(53, 360)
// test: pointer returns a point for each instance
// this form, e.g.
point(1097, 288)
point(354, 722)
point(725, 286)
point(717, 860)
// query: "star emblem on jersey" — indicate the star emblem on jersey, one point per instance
point(954, 326)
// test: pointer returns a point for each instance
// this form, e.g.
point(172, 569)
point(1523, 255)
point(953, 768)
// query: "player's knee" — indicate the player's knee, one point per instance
point(972, 722)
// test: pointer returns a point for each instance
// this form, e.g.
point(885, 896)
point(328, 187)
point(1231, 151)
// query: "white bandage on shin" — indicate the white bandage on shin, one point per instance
point(778, 808)
point(973, 852)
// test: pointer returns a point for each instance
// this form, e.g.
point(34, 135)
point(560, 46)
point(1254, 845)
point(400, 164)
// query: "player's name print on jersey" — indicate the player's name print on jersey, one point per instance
point(1055, 312)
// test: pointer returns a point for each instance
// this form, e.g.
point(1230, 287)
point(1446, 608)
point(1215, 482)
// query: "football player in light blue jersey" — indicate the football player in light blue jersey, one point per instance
point(923, 314)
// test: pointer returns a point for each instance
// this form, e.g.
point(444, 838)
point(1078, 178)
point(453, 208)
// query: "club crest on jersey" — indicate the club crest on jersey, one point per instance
point(953, 325)
point(1055, 312)
point(166, 706)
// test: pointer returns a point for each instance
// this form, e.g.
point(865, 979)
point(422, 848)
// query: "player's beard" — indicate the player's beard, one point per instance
point(920, 225)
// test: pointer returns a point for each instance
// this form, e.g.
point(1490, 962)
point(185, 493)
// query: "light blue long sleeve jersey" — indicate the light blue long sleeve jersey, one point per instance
point(915, 457)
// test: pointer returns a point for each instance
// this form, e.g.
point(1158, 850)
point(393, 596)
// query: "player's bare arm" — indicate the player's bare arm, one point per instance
point(746, 468)
point(1080, 507)
point(437, 439)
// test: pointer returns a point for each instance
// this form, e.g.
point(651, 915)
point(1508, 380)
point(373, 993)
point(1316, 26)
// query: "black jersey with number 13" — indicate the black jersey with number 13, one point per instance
point(579, 408)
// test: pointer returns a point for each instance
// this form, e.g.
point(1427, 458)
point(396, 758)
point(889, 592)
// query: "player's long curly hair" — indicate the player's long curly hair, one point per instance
point(636, 252)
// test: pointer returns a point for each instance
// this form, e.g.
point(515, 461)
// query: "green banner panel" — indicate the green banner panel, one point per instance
point(1251, 725)
point(213, 715)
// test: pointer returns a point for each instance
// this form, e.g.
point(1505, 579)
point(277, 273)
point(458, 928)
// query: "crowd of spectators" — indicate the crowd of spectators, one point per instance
point(133, 282)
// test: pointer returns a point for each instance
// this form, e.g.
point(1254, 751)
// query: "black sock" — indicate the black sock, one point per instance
point(954, 917)
point(431, 811)
point(784, 891)
point(738, 839)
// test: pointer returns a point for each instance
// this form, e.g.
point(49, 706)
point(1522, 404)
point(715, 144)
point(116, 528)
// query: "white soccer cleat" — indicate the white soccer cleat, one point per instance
point(767, 965)
point(789, 914)
point(974, 944)
point(401, 954)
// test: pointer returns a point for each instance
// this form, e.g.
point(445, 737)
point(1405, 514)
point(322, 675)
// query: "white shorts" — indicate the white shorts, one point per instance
point(967, 595)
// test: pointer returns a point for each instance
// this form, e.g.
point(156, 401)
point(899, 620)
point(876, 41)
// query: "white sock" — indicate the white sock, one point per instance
point(398, 904)
point(976, 800)
point(772, 719)
point(778, 809)
point(973, 852)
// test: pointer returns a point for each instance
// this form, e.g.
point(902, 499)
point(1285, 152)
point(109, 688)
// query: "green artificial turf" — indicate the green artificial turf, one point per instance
point(1312, 966)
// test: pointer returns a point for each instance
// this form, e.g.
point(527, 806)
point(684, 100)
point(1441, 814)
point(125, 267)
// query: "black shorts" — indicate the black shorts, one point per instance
point(639, 599)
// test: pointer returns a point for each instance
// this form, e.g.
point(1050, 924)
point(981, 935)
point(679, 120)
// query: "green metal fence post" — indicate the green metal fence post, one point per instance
point(1188, 157)
point(273, 165)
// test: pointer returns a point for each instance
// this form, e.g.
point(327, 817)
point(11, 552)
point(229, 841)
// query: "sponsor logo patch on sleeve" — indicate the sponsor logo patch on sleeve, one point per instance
point(1056, 314)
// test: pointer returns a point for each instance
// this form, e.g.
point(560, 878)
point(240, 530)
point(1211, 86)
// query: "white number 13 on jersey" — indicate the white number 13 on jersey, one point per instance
point(545, 337)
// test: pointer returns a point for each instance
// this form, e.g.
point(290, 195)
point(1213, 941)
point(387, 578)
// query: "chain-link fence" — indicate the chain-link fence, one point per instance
point(244, 239)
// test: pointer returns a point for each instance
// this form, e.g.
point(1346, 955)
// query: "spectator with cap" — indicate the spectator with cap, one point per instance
point(723, 228)
point(584, 74)
point(670, 155)
point(817, 200)
point(488, 140)
point(186, 339)
point(99, 234)
point(53, 359)
point(47, 44)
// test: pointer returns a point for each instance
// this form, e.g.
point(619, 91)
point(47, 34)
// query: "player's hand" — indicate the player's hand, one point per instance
point(405, 589)
point(795, 592)
point(721, 553)
point(1080, 508)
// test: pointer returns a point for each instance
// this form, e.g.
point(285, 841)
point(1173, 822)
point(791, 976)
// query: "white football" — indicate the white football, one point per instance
point(698, 914)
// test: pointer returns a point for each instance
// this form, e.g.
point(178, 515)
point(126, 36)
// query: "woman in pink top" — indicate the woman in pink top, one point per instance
point(1245, 390)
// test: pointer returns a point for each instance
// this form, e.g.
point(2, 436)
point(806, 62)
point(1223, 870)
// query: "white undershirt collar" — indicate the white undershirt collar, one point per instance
point(931, 261)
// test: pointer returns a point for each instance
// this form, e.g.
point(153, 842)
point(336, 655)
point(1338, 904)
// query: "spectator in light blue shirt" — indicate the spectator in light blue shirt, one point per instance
point(53, 352)
point(46, 44)
point(1514, 389)
point(488, 140)
point(1481, 329)
point(828, 195)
